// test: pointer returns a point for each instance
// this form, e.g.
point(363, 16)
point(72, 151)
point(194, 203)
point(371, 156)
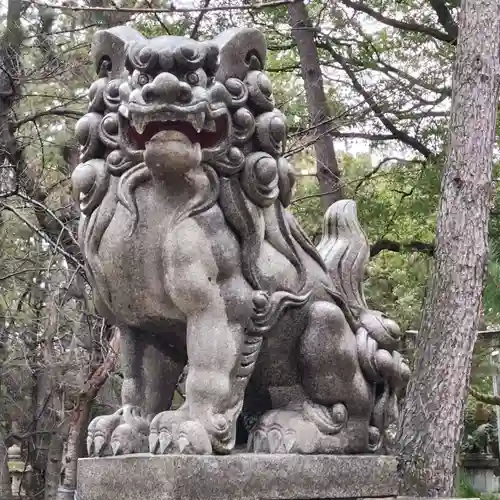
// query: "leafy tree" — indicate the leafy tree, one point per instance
point(432, 417)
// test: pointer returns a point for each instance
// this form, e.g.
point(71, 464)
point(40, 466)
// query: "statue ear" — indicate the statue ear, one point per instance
point(111, 45)
point(241, 50)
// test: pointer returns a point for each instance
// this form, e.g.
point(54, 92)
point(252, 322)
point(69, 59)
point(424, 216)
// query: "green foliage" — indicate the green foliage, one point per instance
point(492, 288)
point(396, 202)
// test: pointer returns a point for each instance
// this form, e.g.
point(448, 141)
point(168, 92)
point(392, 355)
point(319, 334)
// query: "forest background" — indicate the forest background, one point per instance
point(366, 88)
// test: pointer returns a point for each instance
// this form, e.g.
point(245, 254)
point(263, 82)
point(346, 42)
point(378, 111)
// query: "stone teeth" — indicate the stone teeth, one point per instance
point(199, 122)
point(210, 126)
point(196, 120)
point(139, 123)
point(123, 110)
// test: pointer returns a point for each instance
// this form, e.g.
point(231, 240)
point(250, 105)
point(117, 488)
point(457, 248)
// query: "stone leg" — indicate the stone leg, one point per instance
point(161, 371)
point(149, 381)
point(218, 373)
point(336, 408)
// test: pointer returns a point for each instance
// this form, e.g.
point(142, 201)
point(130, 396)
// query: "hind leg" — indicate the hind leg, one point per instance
point(101, 428)
point(337, 402)
point(150, 375)
point(330, 367)
point(162, 369)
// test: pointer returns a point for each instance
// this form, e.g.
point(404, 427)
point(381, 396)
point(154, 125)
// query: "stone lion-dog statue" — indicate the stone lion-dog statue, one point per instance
point(192, 254)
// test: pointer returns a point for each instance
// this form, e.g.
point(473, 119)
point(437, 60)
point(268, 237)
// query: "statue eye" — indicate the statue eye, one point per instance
point(143, 79)
point(192, 78)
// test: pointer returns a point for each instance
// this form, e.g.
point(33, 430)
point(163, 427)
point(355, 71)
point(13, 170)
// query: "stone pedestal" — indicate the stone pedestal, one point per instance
point(482, 470)
point(236, 477)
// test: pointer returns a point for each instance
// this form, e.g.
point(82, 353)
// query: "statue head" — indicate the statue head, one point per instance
point(174, 102)
point(162, 107)
point(171, 107)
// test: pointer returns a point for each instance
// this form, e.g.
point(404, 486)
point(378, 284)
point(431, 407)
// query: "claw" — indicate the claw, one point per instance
point(165, 441)
point(183, 443)
point(90, 446)
point(194, 438)
point(116, 447)
point(99, 443)
point(153, 442)
point(260, 442)
point(275, 439)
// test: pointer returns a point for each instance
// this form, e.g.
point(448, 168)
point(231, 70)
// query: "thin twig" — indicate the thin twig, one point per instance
point(197, 23)
point(22, 271)
point(42, 235)
point(43, 207)
point(171, 9)
point(68, 113)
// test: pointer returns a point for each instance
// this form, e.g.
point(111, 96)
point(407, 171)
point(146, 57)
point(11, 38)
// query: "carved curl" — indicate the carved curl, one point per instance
point(271, 132)
point(96, 96)
point(243, 126)
point(108, 131)
point(260, 179)
point(260, 91)
point(90, 181)
point(87, 134)
point(111, 95)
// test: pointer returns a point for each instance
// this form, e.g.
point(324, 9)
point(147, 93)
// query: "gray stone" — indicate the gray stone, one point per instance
point(236, 477)
point(440, 498)
point(192, 253)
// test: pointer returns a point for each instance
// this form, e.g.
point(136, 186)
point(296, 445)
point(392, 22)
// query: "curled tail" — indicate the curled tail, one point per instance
point(345, 251)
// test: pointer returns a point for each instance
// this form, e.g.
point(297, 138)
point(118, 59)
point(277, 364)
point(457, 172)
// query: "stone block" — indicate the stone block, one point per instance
point(242, 476)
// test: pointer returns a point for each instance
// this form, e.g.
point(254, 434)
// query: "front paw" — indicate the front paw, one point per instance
point(164, 430)
point(99, 433)
point(127, 439)
point(174, 432)
point(193, 439)
point(112, 434)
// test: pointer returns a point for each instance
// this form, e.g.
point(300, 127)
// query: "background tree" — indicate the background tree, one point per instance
point(432, 418)
point(377, 81)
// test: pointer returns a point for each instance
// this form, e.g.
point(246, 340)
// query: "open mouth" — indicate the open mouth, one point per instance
point(208, 131)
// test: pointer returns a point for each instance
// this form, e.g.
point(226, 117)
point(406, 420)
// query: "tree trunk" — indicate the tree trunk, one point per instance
point(53, 469)
point(432, 417)
point(327, 168)
point(10, 73)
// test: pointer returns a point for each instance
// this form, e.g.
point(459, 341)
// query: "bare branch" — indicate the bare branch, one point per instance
point(407, 26)
point(158, 18)
point(397, 246)
point(377, 110)
point(197, 23)
point(68, 113)
point(489, 399)
point(42, 235)
point(445, 18)
point(171, 9)
point(17, 273)
point(363, 135)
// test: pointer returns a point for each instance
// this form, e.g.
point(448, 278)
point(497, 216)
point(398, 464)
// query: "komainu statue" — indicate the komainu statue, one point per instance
point(183, 189)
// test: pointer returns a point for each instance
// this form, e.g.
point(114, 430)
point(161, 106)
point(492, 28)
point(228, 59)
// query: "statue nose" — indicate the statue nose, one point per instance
point(166, 88)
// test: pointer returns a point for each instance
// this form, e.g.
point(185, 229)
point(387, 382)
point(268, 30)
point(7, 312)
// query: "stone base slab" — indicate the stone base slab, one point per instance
point(241, 476)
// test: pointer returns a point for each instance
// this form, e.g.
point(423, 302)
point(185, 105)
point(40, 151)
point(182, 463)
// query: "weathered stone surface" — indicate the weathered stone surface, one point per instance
point(440, 498)
point(236, 477)
point(189, 247)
